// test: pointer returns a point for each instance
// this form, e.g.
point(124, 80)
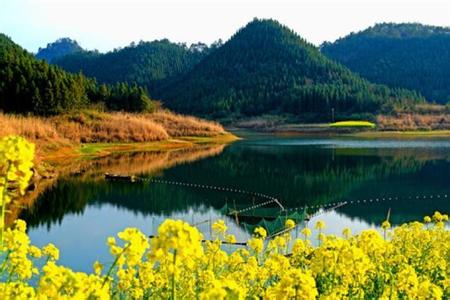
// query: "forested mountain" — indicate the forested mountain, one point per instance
point(28, 85)
point(412, 56)
point(57, 49)
point(149, 64)
point(264, 68)
point(267, 68)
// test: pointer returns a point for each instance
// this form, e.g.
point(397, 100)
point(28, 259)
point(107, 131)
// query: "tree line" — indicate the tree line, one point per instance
point(28, 85)
point(150, 64)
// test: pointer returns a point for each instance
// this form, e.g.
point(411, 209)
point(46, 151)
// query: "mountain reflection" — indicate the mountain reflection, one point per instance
point(298, 176)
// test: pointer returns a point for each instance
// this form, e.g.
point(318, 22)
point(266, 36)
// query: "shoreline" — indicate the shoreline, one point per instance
point(50, 163)
point(96, 150)
point(404, 134)
point(78, 159)
point(371, 134)
point(323, 130)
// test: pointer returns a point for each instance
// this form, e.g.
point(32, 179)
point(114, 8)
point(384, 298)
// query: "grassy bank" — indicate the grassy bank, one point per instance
point(91, 132)
point(101, 149)
point(420, 120)
point(401, 125)
point(404, 134)
point(326, 130)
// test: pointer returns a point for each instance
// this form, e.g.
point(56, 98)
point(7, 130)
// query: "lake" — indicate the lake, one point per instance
point(364, 178)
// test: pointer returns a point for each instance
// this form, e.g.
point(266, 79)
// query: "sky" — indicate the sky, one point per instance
point(109, 24)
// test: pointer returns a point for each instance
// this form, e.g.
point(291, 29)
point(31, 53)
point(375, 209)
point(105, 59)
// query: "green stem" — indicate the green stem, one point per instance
point(113, 265)
point(173, 274)
point(3, 203)
point(5, 261)
point(10, 275)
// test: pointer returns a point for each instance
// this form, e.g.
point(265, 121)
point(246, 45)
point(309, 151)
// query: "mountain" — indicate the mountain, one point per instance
point(409, 55)
point(29, 85)
point(267, 68)
point(149, 64)
point(57, 49)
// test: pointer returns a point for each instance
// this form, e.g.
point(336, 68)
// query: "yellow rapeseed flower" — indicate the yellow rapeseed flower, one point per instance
point(320, 225)
point(256, 244)
point(260, 232)
point(51, 251)
point(306, 232)
point(437, 216)
point(386, 225)
point(412, 264)
point(346, 232)
point(230, 238)
point(219, 227)
point(98, 267)
point(289, 224)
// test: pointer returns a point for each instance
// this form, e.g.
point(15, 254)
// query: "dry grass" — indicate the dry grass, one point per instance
point(180, 125)
point(95, 127)
point(32, 128)
point(40, 131)
point(403, 122)
point(60, 133)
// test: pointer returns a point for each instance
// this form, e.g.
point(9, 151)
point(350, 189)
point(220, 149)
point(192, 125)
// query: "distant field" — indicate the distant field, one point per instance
point(353, 124)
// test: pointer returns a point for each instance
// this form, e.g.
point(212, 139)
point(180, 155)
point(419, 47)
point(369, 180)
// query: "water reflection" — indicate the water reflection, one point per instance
point(81, 210)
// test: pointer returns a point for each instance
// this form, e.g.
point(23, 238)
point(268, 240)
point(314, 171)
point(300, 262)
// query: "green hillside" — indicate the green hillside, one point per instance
point(267, 68)
point(149, 64)
point(412, 56)
point(29, 85)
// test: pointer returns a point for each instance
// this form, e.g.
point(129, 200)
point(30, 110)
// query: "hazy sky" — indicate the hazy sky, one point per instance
point(106, 24)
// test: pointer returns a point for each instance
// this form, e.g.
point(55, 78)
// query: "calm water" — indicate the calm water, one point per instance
point(79, 211)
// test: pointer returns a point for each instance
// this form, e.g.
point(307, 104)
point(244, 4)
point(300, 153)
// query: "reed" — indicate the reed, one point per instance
point(95, 127)
point(404, 122)
point(32, 128)
point(60, 136)
point(178, 125)
point(90, 126)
